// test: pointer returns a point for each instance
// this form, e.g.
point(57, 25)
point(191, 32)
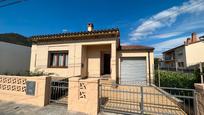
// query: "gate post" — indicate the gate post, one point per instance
point(84, 95)
point(142, 100)
point(199, 99)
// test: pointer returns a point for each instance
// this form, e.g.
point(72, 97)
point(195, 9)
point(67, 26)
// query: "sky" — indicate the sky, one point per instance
point(162, 24)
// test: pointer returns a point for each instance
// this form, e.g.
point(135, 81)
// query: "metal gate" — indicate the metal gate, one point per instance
point(132, 99)
point(59, 91)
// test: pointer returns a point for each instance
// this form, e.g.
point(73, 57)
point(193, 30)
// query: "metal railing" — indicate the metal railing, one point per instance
point(134, 82)
point(187, 96)
point(136, 99)
point(59, 91)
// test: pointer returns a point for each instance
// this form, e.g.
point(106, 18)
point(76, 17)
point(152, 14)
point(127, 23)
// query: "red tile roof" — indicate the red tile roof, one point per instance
point(136, 47)
point(95, 34)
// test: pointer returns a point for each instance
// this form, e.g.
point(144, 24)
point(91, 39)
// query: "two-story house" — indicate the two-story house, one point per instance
point(92, 53)
point(185, 56)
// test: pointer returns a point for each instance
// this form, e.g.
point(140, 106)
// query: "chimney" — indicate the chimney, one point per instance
point(188, 41)
point(90, 27)
point(194, 37)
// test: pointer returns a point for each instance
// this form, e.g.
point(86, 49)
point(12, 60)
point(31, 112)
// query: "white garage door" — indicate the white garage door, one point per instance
point(133, 71)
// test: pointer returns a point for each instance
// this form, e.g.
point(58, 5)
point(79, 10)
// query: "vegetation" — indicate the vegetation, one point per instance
point(177, 79)
point(28, 73)
point(15, 39)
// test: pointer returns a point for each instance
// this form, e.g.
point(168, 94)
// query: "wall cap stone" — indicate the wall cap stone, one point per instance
point(74, 79)
point(199, 87)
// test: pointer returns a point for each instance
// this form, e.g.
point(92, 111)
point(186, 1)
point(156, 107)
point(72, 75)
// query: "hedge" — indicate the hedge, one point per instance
point(177, 79)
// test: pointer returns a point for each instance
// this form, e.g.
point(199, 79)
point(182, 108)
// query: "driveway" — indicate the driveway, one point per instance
point(126, 98)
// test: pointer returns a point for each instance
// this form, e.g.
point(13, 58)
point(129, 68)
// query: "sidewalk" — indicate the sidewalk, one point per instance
point(9, 108)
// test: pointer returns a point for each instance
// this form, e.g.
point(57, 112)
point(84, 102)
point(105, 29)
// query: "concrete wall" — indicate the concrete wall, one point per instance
point(84, 95)
point(13, 89)
point(139, 54)
point(76, 57)
point(194, 53)
point(200, 99)
point(14, 58)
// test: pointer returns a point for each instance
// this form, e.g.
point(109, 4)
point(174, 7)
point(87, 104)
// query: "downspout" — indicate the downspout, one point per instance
point(149, 67)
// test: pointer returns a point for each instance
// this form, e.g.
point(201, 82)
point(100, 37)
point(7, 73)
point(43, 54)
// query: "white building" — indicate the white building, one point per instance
point(15, 53)
point(188, 55)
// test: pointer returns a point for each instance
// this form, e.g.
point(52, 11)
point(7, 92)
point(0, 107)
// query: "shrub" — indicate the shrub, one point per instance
point(27, 73)
point(177, 79)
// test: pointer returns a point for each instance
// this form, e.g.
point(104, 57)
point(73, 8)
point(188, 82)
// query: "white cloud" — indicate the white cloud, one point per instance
point(166, 18)
point(166, 35)
point(125, 43)
point(166, 45)
point(64, 30)
point(162, 46)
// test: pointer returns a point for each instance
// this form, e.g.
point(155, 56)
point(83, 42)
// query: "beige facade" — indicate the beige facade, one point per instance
point(87, 53)
point(98, 56)
point(193, 53)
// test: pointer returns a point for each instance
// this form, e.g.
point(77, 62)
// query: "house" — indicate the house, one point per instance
point(15, 53)
point(92, 53)
point(186, 55)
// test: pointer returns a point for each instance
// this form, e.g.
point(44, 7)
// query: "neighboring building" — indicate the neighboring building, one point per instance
point(15, 53)
point(185, 56)
point(93, 53)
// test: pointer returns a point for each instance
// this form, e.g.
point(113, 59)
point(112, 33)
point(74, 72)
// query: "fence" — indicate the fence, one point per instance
point(129, 99)
point(188, 97)
point(59, 91)
point(184, 70)
point(33, 90)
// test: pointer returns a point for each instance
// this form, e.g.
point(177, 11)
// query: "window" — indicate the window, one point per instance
point(181, 64)
point(58, 59)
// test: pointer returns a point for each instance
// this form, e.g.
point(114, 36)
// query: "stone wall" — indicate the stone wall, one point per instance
point(16, 89)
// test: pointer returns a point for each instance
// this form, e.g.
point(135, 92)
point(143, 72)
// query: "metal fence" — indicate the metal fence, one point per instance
point(59, 91)
point(187, 96)
point(184, 70)
point(136, 99)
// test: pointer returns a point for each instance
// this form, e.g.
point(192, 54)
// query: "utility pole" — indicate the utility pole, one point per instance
point(158, 74)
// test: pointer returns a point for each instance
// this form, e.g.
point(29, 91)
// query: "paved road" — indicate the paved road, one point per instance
point(10, 108)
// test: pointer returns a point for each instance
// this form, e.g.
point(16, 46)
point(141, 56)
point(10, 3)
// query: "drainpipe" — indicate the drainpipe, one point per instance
point(149, 67)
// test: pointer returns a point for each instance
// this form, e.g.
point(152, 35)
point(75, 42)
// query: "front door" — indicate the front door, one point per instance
point(106, 62)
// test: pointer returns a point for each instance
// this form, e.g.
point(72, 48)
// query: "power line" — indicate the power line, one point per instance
point(156, 20)
point(11, 3)
point(2, 0)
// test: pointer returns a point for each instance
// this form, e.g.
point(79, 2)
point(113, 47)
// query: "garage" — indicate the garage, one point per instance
point(133, 70)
